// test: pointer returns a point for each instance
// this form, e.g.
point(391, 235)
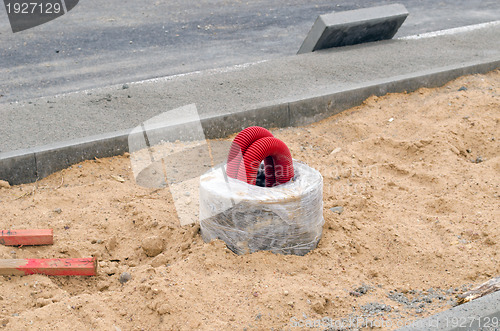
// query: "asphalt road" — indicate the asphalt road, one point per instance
point(100, 43)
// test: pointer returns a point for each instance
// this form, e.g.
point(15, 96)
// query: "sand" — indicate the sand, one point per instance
point(417, 176)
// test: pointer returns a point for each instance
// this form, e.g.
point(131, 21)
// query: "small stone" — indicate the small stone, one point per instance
point(111, 244)
point(391, 119)
point(125, 277)
point(58, 210)
point(463, 88)
point(4, 184)
point(125, 86)
point(338, 209)
point(159, 260)
point(468, 150)
point(118, 178)
point(336, 150)
point(285, 292)
point(152, 246)
point(479, 159)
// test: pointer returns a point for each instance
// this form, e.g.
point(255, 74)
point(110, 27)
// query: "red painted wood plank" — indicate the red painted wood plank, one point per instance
point(26, 237)
point(51, 267)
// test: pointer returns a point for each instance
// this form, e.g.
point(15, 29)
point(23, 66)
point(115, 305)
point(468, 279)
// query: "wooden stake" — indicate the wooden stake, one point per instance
point(26, 237)
point(51, 267)
point(490, 286)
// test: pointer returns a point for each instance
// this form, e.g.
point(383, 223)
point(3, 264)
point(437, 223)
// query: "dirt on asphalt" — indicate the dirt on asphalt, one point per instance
point(417, 175)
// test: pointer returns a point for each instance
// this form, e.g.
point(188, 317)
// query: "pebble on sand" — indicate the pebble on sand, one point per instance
point(125, 277)
point(152, 246)
point(338, 209)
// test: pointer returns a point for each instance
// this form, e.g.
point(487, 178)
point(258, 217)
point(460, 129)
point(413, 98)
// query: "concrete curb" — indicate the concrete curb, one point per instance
point(480, 314)
point(30, 165)
point(354, 27)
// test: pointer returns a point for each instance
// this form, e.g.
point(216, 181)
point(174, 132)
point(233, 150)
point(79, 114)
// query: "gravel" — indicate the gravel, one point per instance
point(374, 308)
point(357, 292)
point(419, 300)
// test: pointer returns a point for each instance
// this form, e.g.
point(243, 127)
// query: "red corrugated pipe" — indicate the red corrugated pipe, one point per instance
point(254, 145)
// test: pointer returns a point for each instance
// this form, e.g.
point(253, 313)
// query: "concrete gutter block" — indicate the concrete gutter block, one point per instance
point(164, 132)
point(55, 157)
point(316, 108)
point(310, 110)
point(354, 27)
point(18, 167)
point(268, 116)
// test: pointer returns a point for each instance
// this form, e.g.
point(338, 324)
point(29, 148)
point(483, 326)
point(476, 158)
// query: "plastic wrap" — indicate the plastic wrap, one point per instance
point(285, 219)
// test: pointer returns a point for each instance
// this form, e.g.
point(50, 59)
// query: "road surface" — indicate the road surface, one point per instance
point(99, 43)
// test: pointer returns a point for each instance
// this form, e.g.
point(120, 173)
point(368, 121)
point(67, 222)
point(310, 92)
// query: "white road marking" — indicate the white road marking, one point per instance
point(198, 72)
point(461, 29)
point(163, 79)
point(64, 6)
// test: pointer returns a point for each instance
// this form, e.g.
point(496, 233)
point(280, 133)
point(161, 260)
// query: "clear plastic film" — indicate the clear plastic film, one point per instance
point(285, 219)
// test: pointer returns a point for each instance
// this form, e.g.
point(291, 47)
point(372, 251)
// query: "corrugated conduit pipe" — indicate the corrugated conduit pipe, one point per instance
point(254, 145)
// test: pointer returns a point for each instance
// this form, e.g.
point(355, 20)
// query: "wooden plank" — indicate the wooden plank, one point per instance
point(490, 286)
point(26, 237)
point(51, 267)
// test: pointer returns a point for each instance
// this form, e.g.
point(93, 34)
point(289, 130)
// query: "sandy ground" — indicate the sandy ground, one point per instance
point(417, 176)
